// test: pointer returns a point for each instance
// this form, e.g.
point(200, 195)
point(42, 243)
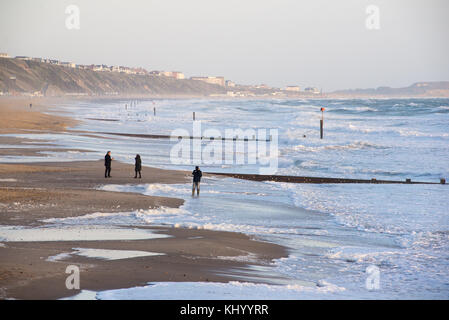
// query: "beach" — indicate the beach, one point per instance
point(36, 191)
point(314, 229)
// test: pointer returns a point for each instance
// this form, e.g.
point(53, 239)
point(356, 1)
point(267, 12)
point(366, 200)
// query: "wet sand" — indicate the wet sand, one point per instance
point(32, 192)
point(58, 190)
point(16, 116)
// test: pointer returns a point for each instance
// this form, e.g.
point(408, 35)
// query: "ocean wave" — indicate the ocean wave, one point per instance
point(360, 254)
point(398, 131)
point(353, 110)
point(357, 145)
point(215, 290)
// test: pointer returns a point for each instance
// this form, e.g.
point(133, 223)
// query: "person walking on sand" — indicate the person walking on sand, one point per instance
point(107, 163)
point(138, 166)
point(197, 174)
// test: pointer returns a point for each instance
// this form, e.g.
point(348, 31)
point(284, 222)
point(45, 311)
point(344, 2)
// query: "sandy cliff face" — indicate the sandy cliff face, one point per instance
point(19, 76)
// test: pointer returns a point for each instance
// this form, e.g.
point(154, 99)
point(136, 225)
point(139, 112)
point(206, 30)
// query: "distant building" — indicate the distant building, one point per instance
point(230, 83)
point(170, 74)
point(293, 88)
point(4, 55)
point(212, 80)
point(101, 67)
point(156, 73)
point(178, 75)
point(23, 58)
point(312, 90)
point(140, 71)
point(68, 64)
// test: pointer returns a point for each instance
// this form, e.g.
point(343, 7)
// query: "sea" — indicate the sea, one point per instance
point(345, 241)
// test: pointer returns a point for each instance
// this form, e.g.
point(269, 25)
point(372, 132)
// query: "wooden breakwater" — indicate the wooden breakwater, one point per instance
point(299, 179)
point(163, 136)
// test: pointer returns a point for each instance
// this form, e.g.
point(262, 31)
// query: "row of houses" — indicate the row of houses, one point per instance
point(170, 74)
point(309, 90)
point(216, 80)
point(100, 67)
point(105, 68)
point(212, 80)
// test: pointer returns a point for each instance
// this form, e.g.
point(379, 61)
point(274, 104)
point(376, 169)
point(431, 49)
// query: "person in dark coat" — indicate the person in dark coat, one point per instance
point(197, 174)
point(138, 166)
point(107, 164)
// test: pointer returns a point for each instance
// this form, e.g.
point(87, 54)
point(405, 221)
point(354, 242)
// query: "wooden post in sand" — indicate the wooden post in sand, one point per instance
point(154, 111)
point(193, 115)
point(322, 123)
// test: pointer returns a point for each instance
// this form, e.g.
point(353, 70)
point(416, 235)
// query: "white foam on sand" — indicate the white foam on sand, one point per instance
point(75, 233)
point(214, 290)
point(104, 254)
point(59, 257)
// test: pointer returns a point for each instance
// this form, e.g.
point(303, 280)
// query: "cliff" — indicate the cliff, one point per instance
point(28, 76)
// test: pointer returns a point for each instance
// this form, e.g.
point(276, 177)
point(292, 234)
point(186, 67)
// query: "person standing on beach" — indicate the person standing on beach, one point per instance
point(197, 174)
point(138, 166)
point(107, 164)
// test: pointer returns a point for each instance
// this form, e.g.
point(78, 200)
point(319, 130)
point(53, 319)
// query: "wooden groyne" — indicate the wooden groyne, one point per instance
point(276, 178)
point(162, 136)
point(317, 180)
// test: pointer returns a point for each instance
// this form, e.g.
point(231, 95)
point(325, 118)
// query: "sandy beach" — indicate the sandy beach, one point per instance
point(32, 192)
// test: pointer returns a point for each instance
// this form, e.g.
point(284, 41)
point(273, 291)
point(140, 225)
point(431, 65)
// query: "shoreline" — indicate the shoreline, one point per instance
point(35, 191)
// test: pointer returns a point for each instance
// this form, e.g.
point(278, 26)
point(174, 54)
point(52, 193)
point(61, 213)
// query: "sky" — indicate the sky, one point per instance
point(329, 44)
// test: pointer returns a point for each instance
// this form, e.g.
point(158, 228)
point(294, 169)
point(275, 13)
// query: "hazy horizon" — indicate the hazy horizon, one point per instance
point(315, 43)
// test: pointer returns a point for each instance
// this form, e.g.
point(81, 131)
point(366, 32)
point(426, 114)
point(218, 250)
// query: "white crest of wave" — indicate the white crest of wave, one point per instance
point(214, 290)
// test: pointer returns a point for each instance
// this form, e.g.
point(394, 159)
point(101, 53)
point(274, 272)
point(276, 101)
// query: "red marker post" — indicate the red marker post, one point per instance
point(322, 123)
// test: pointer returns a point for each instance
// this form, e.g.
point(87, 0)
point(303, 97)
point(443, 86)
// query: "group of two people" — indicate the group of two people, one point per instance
point(197, 174)
point(108, 160)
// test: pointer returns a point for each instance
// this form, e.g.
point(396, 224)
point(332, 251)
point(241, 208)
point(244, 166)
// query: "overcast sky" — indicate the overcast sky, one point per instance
point(277, 42)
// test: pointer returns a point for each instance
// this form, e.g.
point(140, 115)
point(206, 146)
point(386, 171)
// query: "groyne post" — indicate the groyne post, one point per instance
point(322, 123)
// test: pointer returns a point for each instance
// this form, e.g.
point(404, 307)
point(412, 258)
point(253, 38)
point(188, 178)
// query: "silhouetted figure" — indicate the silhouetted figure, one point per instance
point(107, 164)
point(197, 174)
point(138, 166)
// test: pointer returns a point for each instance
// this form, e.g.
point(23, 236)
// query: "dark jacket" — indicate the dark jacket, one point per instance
point(138, 165)
point(197, 174)
point(107, 160)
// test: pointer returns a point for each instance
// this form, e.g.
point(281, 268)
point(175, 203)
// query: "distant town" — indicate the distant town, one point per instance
point(232, 89)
